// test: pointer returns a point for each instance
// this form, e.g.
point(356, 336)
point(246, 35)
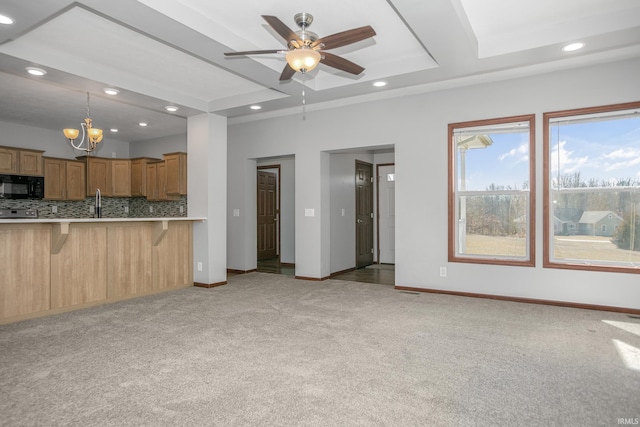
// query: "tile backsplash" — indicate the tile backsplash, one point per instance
point(112, 207)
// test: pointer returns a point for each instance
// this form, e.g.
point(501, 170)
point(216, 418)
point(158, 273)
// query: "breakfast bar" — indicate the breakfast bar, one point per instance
point(57, 265)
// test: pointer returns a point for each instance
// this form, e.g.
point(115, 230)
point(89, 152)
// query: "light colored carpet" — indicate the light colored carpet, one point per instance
point(270, 350)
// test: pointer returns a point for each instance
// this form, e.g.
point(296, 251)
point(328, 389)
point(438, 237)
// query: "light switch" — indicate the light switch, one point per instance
point(309, 212)
point(342, 211)
point(236, 212)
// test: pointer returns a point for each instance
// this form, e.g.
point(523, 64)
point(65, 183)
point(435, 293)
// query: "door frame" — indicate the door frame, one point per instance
point(279, 178)
point(378, 207)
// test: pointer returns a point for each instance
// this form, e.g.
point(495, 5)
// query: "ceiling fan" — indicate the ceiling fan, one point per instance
point(306, 50)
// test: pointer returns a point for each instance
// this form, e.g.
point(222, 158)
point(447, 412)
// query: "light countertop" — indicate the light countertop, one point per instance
point(99, 220)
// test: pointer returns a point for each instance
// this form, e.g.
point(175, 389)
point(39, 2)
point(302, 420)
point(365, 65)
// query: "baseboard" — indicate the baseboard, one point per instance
point(287, 264)
point(209, 285)
point(524, 300)
point(313, 279)
point(233, 271)
point(336, 273)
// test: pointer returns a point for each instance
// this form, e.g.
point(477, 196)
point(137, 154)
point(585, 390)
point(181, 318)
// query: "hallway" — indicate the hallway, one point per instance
point(381, 274)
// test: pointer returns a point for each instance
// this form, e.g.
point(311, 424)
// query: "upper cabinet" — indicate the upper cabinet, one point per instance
point(21, 161)
point(176, 164)
point(139, 175)
point(121, 178)
point(111, 176)
point(64, 179)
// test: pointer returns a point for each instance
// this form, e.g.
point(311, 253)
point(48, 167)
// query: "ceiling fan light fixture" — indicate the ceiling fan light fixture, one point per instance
point(303, 59)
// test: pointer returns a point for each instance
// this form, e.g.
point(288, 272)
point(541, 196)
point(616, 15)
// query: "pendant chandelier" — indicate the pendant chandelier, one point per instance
point(92, 135)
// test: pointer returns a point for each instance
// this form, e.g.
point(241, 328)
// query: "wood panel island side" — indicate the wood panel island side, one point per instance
point(53, 266)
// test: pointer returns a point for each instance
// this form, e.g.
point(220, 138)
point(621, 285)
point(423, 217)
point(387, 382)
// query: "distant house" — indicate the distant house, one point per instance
point(565, 221)
point(599, 223)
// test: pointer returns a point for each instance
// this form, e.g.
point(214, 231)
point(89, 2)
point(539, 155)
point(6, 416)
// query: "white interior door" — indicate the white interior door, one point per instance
point(387, 214)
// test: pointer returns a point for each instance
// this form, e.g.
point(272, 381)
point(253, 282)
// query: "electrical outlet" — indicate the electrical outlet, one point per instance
point(54, 209)
point(126, 209)
point(92, 209)
point(443, 271)
point(199, 266)
point(150, 209)
point(181, 209)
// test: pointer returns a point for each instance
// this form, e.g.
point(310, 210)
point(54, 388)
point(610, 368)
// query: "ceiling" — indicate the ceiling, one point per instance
point(171, 52)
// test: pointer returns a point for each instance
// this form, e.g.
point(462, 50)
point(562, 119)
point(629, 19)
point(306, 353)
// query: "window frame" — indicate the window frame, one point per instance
point(452, 172)
point(547, 262)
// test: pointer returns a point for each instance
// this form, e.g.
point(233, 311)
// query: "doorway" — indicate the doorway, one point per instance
point(364, 214)
point(268, 210)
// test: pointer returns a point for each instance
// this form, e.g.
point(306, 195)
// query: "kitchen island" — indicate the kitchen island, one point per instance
point(56, 265)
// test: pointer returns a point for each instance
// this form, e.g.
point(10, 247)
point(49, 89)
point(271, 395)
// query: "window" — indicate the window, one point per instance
point(592, 178)
point(491, 191)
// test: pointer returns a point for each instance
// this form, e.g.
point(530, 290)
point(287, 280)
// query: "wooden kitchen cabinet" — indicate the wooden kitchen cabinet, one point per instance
point(64, 179)
point(20, 161)
point(8, 160)
point(176, 164)
point(98, 175)
point(139, 175)
point(30, 162)
point(120, 178)
point(157, 182)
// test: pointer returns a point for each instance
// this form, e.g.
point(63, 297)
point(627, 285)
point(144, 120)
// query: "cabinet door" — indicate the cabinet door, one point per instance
point(54, 179)
point(176, 173)
point(30, 163)
point(98, 176)
point(138, 177)
point(8, 160)
point(75, 181)
point(162, 180)
point(152, 184)
point(121, 178)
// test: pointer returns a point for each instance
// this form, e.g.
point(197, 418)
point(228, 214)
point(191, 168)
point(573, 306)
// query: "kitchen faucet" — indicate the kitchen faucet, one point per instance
point(98, 207)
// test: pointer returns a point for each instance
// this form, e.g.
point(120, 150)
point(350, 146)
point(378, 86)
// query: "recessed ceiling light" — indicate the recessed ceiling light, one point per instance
point(114, 130)
point(380, 84)
point(171, 108)
point(143, 124)
point(6, 20)
point(111, 91)
point(36, 71)
point(573, 46)
point(255, 107)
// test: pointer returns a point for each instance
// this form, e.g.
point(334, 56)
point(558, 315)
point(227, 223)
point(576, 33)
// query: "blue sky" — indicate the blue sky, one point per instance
point(604, 150)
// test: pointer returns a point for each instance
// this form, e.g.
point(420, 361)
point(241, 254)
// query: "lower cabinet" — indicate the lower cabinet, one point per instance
point(58, 267)
point(25, 276)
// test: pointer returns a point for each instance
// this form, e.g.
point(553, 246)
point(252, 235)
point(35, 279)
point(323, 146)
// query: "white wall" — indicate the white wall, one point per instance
point(54, 144)
point(155, 148)
point(417, 126)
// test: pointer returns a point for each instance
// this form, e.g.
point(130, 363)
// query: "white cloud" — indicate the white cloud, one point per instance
point(568, 164)
point(521, 153)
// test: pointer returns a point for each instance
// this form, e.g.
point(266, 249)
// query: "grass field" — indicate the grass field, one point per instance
point(565, 248)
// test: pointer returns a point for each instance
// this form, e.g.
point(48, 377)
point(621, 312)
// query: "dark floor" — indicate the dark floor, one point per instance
point(382, 274)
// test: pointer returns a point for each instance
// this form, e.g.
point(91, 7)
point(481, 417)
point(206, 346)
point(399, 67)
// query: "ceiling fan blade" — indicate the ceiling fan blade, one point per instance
point(280, 28)
point(344, 38)
point(252, 52)
point(340, 63)
point(287, 73)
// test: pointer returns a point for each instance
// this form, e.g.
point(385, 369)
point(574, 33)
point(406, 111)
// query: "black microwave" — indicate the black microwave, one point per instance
point(21, 187)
